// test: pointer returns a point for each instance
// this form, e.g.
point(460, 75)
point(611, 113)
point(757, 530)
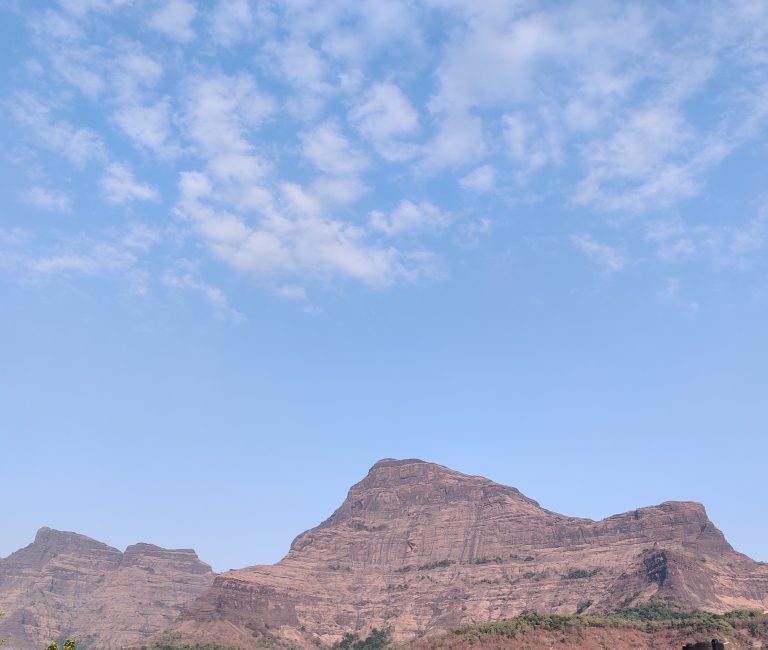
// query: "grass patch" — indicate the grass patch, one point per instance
point(440, 564)
point(579, 574)
point(648, 617)
point(361, 525)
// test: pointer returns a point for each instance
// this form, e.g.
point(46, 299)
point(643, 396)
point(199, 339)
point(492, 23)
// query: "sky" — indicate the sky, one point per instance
point(249, 248)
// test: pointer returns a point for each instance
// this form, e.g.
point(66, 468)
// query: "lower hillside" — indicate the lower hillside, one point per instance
point(652, 625)
point(418, 549)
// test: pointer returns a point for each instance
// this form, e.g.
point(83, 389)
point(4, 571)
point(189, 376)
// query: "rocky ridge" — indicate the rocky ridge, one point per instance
point(65, 584)
point(418, 548)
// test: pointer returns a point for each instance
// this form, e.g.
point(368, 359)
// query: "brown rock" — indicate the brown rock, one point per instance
point(419, 548)
point(68, 585)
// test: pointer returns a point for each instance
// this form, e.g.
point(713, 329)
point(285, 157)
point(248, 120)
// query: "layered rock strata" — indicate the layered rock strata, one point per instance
point(68, 585)
point(418, 548)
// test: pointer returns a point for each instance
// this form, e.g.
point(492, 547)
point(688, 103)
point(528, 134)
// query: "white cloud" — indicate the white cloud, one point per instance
point(78, 144)
point(132, 72)
point(174, 19)
point(100, 258)
point(383, 116)
point(186, 280)
point(292, 292)
point(672, 241)
point(331, 152)
point(531, 144)
point(48, 199)
point(459, 140)
point(120, 186)
point(119, 253)
point(297, 239)
point(493, 60)
point(222, 111)
point(82, 7)
point(481, 179)
point(148, 126)
point(300, 63)
point(410, 217)
point(643, 163)
point(608, 107)
point(139, 237)
point(230, 21)
point(604, 256)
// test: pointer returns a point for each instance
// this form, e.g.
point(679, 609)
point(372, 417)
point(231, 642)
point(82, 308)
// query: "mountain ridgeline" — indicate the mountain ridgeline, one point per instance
point(415, 549)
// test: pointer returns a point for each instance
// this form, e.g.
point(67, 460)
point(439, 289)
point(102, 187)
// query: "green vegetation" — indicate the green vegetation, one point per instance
point(166, 646)
point(440, 564)
point(578, 574)
point(361, 525)
point(376, 640)
point(487, 560)
point(1, 616)
point(533, 575)
point(69, 644)
point(648, 617)
point(339, 567)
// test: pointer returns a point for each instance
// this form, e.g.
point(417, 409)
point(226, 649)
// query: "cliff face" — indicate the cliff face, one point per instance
point(419, 548)
point(64, 584)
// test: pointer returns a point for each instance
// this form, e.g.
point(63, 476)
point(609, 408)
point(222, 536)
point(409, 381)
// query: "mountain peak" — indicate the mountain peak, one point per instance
point(68, 585)
point(418, 547)
point(52, 539)
point(396, 462)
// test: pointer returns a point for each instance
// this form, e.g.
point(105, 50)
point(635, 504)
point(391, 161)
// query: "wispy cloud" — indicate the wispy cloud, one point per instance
point(77, 144)
point(605, 257)
point(174, 19)
point(48, 199)
point(408, 217)
point(186, 280)
point(120, 186)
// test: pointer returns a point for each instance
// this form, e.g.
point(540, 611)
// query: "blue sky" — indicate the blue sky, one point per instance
point(249, 248)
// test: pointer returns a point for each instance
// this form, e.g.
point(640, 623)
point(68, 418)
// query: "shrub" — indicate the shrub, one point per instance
point(577, 574)
point(374, 641)
point(440, 564)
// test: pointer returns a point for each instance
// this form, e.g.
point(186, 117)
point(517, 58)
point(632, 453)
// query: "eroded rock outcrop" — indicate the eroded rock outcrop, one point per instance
point(419, 548)
point(65, 584)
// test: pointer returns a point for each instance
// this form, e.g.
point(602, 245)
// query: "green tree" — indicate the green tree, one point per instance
point(1, 616)
point(376, 640)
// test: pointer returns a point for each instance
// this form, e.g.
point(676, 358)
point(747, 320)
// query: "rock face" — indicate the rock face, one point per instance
point(419, 548)
point(64, 584)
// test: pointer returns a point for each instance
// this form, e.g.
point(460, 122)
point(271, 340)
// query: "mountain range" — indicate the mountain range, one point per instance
point(416, 548)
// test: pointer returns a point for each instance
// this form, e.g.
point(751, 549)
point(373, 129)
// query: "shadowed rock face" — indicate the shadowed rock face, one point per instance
point(419, 548)
point(64, 584)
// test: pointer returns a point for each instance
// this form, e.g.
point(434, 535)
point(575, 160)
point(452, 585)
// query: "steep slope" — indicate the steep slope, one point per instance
point(419, 548)
point(64, 584)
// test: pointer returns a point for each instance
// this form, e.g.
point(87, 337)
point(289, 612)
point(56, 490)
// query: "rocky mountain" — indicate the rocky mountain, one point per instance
point(419, 548)
point(64, 584)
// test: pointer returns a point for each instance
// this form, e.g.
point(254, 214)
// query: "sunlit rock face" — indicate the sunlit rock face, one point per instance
point(418, 548)
point(68, 585)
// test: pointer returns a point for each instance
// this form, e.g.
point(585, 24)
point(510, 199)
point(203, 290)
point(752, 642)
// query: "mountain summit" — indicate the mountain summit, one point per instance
point(419, 547)
point(65, 584)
